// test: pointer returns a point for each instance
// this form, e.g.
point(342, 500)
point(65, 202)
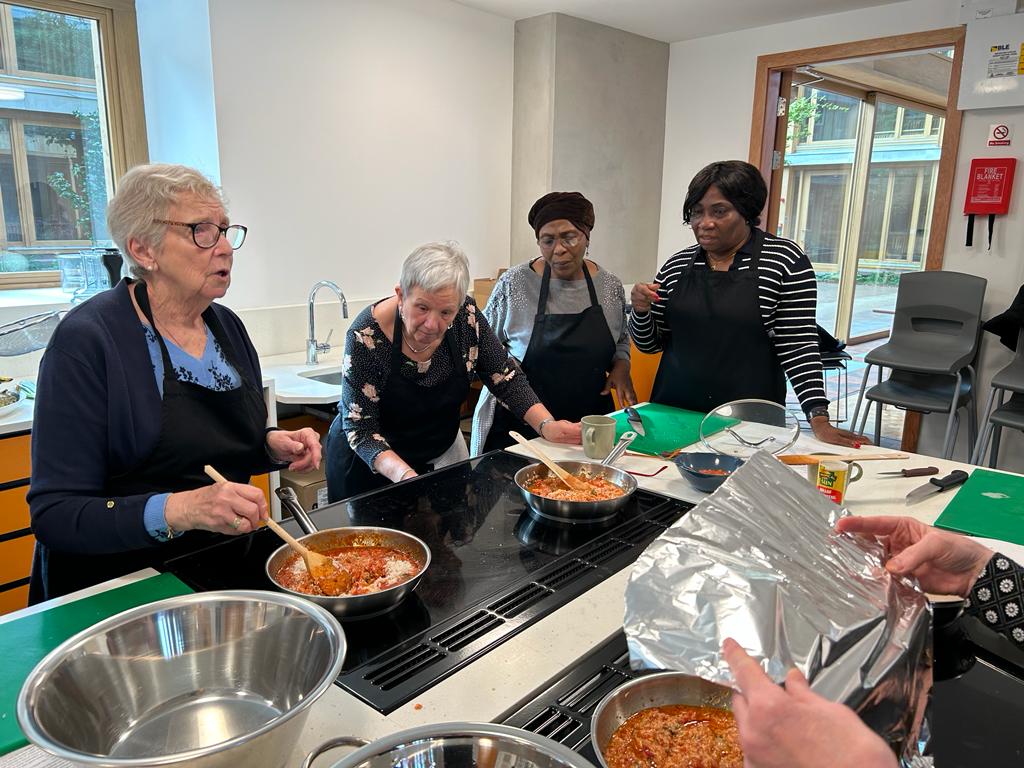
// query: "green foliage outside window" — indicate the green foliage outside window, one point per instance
point(54, 43)
point(86, 190)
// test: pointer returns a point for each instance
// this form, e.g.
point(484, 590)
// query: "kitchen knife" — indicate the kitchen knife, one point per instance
point(633, 417)
point(937, 485)
point(914, 472)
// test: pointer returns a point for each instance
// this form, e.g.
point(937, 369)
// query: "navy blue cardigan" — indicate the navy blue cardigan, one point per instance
point(97, 415)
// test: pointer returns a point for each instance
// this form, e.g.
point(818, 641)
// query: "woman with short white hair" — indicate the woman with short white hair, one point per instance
point(143, 385)
point(408, 362)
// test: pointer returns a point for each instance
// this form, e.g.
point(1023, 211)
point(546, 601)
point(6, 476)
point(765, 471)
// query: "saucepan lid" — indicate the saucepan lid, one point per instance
point(742, 427)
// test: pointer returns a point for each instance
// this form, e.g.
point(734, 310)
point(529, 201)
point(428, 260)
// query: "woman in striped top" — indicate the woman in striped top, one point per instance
point(733, 315)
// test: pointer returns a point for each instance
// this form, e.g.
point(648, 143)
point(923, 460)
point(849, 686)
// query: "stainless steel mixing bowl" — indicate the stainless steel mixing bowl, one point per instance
point(560, 512)
point(463, 745)
point(209, 680)
point(656, 690)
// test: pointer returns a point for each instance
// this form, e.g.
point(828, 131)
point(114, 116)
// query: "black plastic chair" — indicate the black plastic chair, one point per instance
point(931, 352)
point(834, 357)
point(1005, 414)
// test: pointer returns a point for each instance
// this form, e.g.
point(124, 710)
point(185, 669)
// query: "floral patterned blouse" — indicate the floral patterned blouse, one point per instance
point(367, 366)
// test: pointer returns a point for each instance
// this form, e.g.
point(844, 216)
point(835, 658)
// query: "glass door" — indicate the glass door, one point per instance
point(896, 219)
point(857, 191)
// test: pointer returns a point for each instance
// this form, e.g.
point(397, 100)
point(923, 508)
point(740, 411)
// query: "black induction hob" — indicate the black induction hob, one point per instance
point(495, 570)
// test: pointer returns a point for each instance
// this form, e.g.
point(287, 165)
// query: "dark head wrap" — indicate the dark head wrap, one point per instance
point(571, 206)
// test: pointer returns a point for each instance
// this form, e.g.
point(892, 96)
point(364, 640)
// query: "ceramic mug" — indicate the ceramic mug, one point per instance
point(598, 436)
point(835, 476)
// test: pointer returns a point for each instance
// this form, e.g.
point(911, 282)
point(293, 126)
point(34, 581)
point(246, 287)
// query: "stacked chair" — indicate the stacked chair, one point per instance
point(931, 352)
point(1010, 380)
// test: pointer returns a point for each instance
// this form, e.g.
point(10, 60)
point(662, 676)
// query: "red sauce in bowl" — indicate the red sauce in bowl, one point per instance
point(676, 736)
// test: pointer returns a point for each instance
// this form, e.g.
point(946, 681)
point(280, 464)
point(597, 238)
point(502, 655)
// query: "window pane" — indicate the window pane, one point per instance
point(8, 189)
point(54, 160)
point(874, 212)
point(885, 120)
point(913, 122)
point(902, 207)
point(835, 117)
point(54, 43)
point(56, 179)
point(921, 241)
point(825, 216)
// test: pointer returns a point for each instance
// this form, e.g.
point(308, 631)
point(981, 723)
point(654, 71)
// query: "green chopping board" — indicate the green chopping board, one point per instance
point(25, 641)
point(667, 428)
point(989, 504)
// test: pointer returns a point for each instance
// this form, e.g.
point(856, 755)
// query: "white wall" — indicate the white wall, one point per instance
point(711, 90)
point(1002, 267)
point(351, 131)
point(589, 115)
point(177, 83)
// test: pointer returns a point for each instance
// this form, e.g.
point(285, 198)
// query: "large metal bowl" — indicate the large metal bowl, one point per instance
point(463, 745)
point(560, 512)
point(657, 690)
point(209, 680)
point(349, 606)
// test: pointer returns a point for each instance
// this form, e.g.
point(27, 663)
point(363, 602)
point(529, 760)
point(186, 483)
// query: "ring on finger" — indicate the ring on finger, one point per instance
point(236, 523)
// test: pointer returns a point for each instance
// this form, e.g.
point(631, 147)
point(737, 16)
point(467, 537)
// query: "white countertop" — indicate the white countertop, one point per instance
point(291, 377)
point(509, 674)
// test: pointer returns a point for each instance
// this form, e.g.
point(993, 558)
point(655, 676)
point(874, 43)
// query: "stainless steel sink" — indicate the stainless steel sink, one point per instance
point(333, 378)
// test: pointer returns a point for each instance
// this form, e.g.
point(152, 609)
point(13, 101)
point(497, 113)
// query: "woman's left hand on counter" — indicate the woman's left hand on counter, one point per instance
point(299, 448)
point(620, 380)
point(825, 431)
point(794, 727)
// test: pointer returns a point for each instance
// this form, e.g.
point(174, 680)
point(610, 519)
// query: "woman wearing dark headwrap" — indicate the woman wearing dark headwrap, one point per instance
point(564, 318)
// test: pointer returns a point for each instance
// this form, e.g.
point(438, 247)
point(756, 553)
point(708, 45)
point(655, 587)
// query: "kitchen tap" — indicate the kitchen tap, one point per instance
point(312, 348)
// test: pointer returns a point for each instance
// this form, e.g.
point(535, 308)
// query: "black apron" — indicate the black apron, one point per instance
point(419, 423)
point(566, 363)
point(198, 426)
point(719, 350)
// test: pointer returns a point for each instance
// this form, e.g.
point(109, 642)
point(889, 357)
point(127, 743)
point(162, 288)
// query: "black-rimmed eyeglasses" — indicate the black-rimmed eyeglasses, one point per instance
point(206, 234)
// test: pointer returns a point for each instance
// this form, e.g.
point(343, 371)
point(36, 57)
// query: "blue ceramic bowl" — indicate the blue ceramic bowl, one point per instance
point(694, 468)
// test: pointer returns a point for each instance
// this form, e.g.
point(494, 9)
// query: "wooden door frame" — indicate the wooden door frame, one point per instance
point(770, 68)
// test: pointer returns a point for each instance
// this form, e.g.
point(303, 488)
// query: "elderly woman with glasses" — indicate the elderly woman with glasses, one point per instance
point(408, 362)
point(140, 388)
point(734, 314)
point(565, 318)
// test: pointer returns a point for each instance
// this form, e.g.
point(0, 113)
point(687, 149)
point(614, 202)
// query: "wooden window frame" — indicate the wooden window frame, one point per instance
point(768, 87)
point(120, 99)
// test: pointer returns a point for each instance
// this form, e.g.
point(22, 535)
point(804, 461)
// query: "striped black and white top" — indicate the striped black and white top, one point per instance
point(788, 295)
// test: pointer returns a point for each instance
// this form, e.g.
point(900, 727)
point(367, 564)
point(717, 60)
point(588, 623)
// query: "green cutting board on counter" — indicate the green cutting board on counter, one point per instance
point(989, 504)
point(667, 428)
point(25, 641)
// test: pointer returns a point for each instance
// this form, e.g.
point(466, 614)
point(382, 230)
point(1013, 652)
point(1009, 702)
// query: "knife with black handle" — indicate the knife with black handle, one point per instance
point(937, 485)
point(633, 417)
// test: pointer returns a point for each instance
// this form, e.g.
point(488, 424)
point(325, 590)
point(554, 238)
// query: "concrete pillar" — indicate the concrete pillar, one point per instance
point(589, 116)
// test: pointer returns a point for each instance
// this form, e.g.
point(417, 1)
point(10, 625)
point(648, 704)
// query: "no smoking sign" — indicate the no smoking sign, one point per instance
point(999, 135)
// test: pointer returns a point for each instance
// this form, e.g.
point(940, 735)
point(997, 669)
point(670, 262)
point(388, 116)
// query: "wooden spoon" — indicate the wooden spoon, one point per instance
point(801, 459)
point(573, 483)
point(326, 574)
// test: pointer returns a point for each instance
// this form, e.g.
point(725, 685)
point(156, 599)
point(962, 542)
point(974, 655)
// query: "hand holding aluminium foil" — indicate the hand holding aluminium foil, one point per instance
point(759, 561)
